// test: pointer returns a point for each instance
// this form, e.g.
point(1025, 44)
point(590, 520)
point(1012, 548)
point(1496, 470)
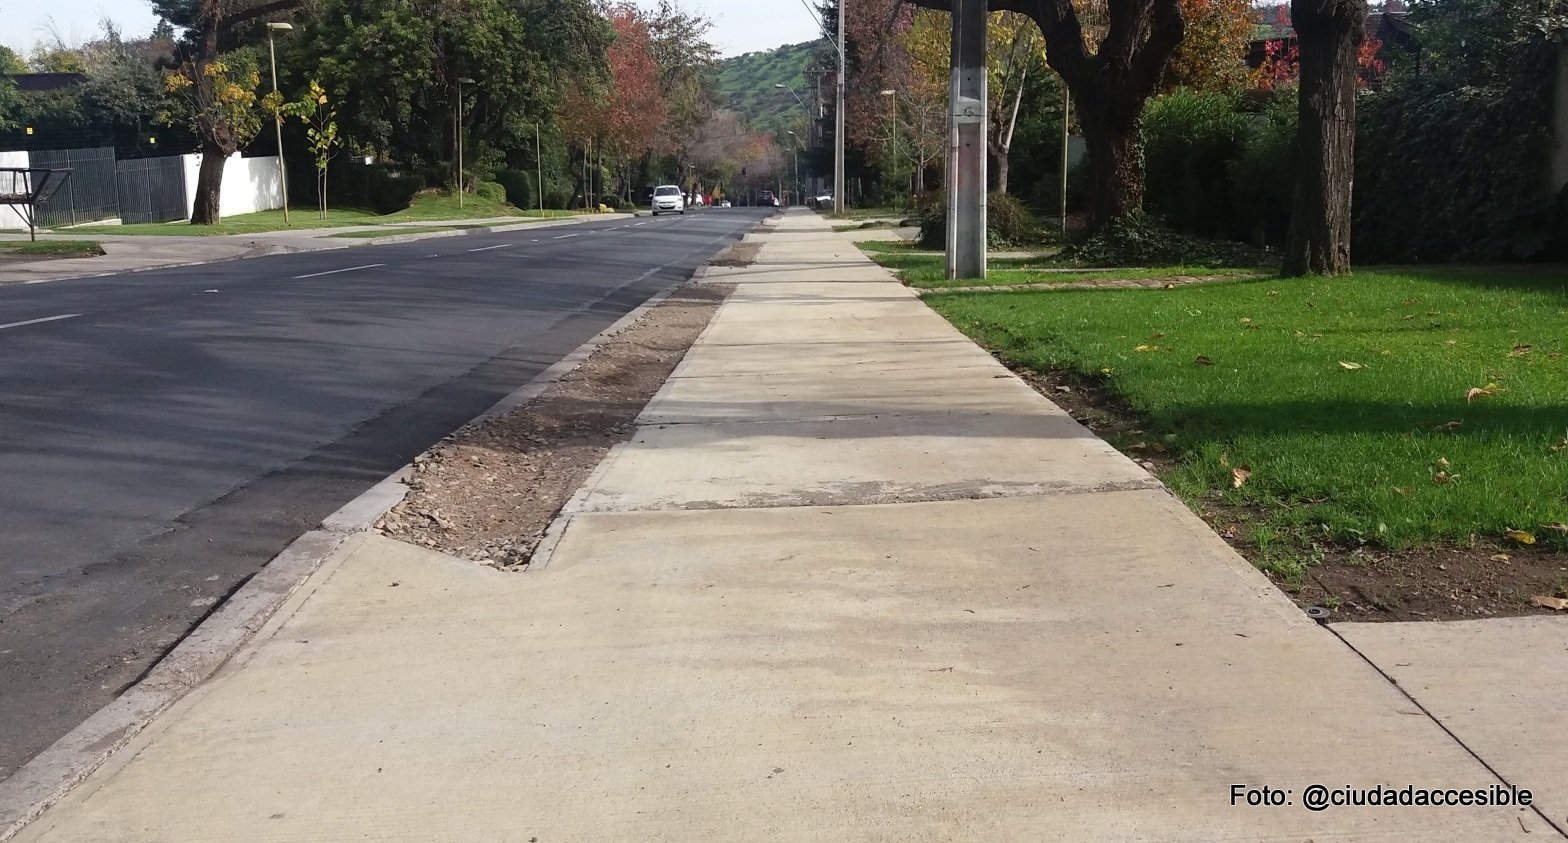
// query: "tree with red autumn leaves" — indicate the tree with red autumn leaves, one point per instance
point(624, 118)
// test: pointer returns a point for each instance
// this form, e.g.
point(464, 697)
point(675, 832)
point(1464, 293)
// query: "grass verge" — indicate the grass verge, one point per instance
point(1382, 412)
point(52, 248)
point(425, 207)
point(928, 270)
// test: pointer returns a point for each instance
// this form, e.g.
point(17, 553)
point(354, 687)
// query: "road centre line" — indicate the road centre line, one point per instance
point(336, 271)
point(39, 321)
point(564, 236)
point(488, 248)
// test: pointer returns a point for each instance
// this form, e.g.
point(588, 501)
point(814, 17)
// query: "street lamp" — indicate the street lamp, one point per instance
point(893, 133)
point(283, 176)
point(797, 148)
point(457, 134)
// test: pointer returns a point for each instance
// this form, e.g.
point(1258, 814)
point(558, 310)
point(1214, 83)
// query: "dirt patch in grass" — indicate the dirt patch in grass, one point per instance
point(740, 255)
point(1365, 583)
point(488, 492)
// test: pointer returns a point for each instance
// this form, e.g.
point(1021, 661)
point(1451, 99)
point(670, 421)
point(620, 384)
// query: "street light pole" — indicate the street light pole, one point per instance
point(272, 50)
point(893, 130)
point(796, 149)
point(539, 162)
point(461, 81)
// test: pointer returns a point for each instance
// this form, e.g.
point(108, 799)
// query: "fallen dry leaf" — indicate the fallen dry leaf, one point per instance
point(1449, 427)
point(1561, 446)
point(1240, 475)
point(1519, 351)
point(1501, 557)
point(1204, 361)
point(1442, 462)
point(1349, 366)
point(1520, 536)
point(1404, 491)
point(1558, 603)
point(1481, 392)
point(1450, 342)
point(1146, 348)
point(1559, 527)
point(1443, 478)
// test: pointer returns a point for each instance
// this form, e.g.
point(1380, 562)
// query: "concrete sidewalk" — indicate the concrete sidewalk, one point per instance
point(851, 581)
point(140, 252)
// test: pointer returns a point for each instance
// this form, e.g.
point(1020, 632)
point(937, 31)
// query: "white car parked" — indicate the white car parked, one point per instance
point(668, 199)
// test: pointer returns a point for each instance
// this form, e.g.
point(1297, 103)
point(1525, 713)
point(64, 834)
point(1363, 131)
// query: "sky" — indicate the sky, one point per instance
point(741, 26)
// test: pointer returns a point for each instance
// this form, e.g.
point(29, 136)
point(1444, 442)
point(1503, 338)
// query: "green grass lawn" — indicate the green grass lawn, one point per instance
point(1346, 398)
point(928, 270)
point(52, 248)
point(869, 213)
point(427, 206)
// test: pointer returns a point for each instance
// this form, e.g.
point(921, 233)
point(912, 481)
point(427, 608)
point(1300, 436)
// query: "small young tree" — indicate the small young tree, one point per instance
point(321, 130)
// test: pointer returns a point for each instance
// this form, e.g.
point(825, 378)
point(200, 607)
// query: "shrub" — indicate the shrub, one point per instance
point(389, 192)
point(491, 190)
point(1138, 240)
point(1008, 222)
point(519, 187)
point(1191, 140)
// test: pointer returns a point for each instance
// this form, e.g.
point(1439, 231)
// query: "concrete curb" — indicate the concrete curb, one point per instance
point(327, 243)
point(44, 780)
point(28, 792)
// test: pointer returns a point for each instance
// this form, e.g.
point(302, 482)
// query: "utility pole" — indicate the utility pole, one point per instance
point(966, 170)
point(1067, 113)
point(838, 129)
point(539, 162)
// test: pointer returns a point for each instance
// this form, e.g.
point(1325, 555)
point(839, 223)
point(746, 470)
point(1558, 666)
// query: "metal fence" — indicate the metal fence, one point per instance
point(89, 195)
point(151, 190)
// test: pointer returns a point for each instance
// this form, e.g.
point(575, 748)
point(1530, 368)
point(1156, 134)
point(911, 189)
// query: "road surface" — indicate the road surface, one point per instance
point(164, 434)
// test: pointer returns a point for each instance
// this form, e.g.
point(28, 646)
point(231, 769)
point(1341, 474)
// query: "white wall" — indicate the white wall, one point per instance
point(9, 218)
point(249, 184)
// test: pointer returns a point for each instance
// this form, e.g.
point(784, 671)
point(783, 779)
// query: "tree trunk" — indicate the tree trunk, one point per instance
point(209, 186)
point(1330, 34)
point(1003, 164)
point(1115, 163)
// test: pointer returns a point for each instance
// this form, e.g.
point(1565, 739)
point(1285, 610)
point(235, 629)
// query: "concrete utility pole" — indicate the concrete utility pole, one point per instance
point(838, 129)
point(966, 166)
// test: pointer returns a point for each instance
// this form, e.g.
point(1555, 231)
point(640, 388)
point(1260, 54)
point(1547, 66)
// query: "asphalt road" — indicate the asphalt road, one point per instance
point(164, 434)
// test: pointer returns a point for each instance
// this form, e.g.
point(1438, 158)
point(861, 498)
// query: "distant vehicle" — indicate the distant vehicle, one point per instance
point(824, 201)
point(725, 203)
point(668, 199)
point(767, 200)
point(697, 200)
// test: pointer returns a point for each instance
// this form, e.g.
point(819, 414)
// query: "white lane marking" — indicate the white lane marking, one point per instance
point(564, 236)
point(40, 321)
point(488, 248)
point(639, 223)
point(336, 271)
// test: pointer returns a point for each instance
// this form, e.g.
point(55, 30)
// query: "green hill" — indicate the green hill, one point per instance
point(747, 84)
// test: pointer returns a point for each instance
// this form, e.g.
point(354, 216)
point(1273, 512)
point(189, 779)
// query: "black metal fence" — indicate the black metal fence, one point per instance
point(151, 190)
point(99, 188)
point(88, 195)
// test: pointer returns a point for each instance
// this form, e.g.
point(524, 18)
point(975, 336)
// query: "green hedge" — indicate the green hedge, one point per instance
point(1458, 174)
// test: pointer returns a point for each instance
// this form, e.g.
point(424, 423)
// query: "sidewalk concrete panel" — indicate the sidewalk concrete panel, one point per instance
point(1002, 670)
point(1501, 686)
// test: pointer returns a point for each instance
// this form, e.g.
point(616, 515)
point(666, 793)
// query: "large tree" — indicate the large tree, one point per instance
point(1110, 76)
point(397, 63)
point(223, 116)
point(1330, 34)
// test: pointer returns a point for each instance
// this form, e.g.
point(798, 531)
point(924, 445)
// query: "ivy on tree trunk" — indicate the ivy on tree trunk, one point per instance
point(1330, 34)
